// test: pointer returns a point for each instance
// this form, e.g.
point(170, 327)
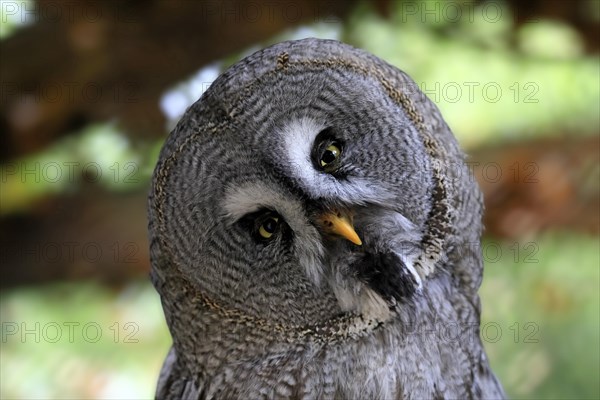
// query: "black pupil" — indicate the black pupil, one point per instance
point(270, 225)
point(328, 157)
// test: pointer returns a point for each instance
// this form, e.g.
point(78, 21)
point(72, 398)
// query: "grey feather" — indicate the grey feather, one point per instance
point(306, 314)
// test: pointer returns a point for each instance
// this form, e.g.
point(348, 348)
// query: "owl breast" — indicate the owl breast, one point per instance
point(431, 350)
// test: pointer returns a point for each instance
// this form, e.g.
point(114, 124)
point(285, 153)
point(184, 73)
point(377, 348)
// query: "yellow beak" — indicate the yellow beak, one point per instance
point(340, 224)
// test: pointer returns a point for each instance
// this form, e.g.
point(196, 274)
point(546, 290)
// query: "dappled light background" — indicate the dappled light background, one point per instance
point(90, 89)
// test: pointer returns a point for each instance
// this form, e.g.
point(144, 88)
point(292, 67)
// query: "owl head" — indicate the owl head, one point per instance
point(311, 181)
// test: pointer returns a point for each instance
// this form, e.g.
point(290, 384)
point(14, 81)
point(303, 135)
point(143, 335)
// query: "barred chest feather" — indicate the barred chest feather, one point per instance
point(407, 357)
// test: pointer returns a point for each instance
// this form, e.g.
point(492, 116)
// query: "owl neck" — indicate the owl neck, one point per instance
point(199, 325)
point(194, 304)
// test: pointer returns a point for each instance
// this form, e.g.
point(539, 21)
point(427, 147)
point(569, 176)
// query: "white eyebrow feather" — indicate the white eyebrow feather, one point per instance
point(298, 138)
point(242, 200)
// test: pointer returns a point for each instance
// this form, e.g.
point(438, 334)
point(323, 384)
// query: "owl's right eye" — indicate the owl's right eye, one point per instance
point(268, 227)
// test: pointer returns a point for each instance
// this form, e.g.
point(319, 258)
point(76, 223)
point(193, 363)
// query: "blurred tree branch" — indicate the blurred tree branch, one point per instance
point(95, 60)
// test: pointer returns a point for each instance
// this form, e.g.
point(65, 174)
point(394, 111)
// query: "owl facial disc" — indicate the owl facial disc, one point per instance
point(305, 184)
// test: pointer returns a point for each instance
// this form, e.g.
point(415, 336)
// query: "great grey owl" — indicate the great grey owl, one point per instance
point(315, 233)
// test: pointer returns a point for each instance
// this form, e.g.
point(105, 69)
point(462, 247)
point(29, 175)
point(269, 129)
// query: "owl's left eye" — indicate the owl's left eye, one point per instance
point(330, 155)
point(327, 151)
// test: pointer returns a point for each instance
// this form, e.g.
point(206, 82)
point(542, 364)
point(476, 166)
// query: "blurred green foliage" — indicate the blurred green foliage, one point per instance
point(541, 315)
point(99, 154)
point(11, 17)
point(487, 89)
point(74, 340)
